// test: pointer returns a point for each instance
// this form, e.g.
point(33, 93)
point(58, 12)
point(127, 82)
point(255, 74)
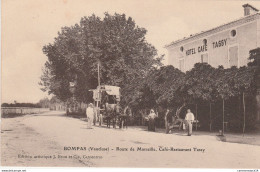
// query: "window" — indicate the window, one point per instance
point(204, 58)
point(181, 48)
point(181, 64)
point(233, 56)
point(233, 33)
point(205, 41)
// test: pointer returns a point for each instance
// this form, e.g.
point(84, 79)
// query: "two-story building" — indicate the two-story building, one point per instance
point(227, 45)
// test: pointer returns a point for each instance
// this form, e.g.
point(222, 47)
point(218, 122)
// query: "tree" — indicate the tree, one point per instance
point(44, 103)
point(157, 90)
point(115, 42)
point(254, 57)
point(199, 83)
point(160, 86)
point(165, 83)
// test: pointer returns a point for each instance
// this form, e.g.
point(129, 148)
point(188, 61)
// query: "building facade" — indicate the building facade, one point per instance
point(227, 45)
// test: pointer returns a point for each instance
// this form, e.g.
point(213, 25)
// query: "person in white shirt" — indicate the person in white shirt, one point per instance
point(90, 115)
point(189, 118)
point(151, 121)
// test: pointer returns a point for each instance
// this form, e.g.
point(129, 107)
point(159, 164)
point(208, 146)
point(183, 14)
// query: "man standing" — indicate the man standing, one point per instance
point(151, 121)
point(90, 115)
point(189, 118)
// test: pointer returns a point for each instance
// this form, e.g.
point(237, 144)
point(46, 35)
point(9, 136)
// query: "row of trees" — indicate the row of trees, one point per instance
point(32, 105)
point(203, 83)
point(49, 103)
point(43, 103)
point(203, 86)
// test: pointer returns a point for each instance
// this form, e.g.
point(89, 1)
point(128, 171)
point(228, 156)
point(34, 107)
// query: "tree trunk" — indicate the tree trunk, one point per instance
point(223, 127)
point(143, 112)
point(239, 110)
point(178, 111)
point(244, 109)
point(197, 117)
point(209, 116)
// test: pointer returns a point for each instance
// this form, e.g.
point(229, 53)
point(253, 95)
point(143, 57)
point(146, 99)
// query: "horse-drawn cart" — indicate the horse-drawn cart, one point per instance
point(106, 99)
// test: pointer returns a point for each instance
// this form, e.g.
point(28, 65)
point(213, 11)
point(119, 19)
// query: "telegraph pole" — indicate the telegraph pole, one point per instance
point(98, 73)
point(99, 95)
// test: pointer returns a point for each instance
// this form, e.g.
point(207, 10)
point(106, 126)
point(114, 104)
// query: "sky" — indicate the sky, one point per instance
point(28, 25)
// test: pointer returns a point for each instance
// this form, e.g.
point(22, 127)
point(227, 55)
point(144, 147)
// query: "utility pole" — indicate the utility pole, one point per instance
point(99, 94)
point(98, 73)
point(244, 113)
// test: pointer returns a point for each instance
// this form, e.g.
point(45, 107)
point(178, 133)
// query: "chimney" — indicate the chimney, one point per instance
point(249, 9)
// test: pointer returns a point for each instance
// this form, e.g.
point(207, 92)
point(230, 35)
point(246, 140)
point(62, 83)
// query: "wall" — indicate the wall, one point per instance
point(218, 44)
point(22, 110)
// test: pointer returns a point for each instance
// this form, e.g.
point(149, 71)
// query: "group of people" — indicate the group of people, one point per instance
point(189, 119)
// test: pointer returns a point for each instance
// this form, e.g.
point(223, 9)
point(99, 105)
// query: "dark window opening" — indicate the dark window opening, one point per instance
point(233, 33)
point(205, 41)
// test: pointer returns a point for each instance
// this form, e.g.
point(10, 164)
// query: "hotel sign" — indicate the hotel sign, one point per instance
point(203, 48)
point(220, 43)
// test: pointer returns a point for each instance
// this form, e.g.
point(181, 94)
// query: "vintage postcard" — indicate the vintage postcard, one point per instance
point(133, 83)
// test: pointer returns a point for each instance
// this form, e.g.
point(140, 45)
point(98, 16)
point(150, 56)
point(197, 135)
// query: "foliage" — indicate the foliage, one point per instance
point(165, 83)
point(168, 87)
point(202, 83)
point(157, 90)
point(254, 57)
point(47, 103)
point(33, 105)
point(44, 103)
point(233, 81)
point(115, 42)
point(199, 83)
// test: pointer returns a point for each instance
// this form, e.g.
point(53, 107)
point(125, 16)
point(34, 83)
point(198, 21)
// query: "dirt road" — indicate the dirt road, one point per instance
point(52, 139)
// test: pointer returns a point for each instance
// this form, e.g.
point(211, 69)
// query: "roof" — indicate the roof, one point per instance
point(218, 28)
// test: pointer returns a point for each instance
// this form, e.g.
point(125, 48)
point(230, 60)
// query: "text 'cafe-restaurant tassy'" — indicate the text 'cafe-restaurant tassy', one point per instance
point(227, 45)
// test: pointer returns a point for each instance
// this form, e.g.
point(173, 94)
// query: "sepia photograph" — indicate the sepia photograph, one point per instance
point(130, 84)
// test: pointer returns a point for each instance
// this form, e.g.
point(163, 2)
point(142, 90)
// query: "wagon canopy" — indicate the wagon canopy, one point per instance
point(110, 90)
